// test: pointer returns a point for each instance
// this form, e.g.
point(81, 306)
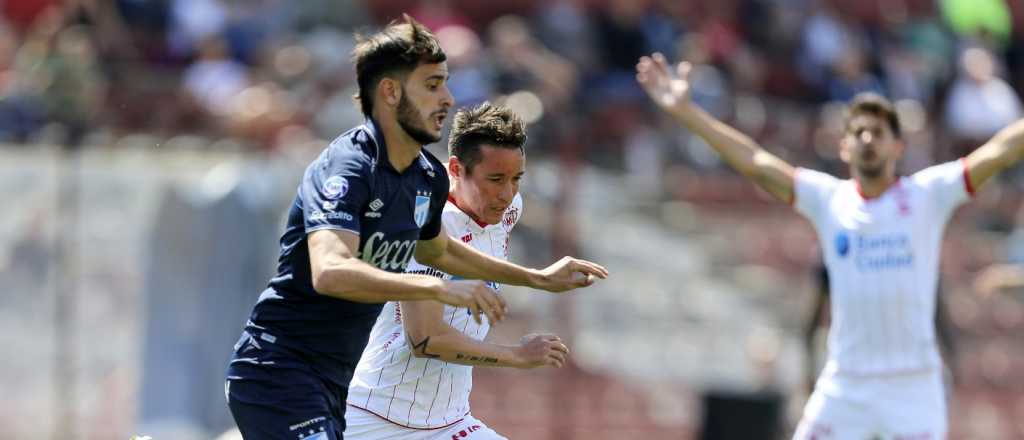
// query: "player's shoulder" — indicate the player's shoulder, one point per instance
point(429, 161)
point(812, 176)
point(353, 149)
point(816, 181)
point(454, 216)
point(434, 169)
point(947, 170)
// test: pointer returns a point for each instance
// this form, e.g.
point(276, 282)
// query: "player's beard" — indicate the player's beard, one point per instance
point(410, 119)
point(871, 165)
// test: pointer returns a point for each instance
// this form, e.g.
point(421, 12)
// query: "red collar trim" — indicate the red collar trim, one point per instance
point(967, 177)
point(475, 220)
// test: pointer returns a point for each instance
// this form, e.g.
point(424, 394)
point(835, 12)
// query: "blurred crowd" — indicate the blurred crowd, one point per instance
point(275, 75)
point(269, 74)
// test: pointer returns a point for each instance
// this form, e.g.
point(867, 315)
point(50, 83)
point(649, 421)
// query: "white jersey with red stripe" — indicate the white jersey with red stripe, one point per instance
point(882, 256)
point(417, 392)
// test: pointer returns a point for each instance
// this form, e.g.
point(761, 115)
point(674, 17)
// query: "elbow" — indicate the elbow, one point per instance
point(420, 354)
point(422, 342)
point(326, 282)
point(427, 258)
point(757, 164)
point(321, 281)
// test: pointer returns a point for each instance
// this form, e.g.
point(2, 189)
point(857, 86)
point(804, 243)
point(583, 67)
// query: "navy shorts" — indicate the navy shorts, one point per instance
point(274, 393)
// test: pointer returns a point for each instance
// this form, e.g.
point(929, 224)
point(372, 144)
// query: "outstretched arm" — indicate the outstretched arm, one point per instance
point(1003, 151)
point(431, 337)
point(337, 272)
point(670, 90)
point(457, 258)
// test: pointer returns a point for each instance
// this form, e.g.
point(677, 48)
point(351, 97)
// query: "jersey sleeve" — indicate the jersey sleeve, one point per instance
point(450, 221)
point(947, 186)
point(334, 190)
point(812, 191)
point(438, 198)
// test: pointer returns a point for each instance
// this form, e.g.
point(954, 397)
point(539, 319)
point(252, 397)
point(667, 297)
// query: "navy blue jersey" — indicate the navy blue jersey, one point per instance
point(352, 187)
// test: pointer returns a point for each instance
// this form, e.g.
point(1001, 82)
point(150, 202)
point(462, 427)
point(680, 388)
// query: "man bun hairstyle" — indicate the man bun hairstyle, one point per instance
point(397, 49)
point(486, 123)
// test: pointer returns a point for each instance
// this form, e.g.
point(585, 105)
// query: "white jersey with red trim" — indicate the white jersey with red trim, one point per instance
point(882, 256)
point(427, 393)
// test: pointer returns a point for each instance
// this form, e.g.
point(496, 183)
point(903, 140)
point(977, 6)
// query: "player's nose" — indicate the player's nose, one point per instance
point(506, 194)
point(447, 100)
point(866, 137)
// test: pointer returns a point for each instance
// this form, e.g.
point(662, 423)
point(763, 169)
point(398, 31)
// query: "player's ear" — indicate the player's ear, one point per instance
point(454, 167)
point(390, 90)
point(900, 146)
point(845, 145)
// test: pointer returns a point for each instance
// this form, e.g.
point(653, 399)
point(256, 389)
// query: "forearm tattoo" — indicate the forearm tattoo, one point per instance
point(473, 358)
point(422, 348)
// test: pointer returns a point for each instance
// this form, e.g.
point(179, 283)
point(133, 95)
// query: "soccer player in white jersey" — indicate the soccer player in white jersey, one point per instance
point(414, 378)
point(880, 234)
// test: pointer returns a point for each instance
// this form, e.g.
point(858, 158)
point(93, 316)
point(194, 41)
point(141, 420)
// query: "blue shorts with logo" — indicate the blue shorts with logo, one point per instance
point(275, 393)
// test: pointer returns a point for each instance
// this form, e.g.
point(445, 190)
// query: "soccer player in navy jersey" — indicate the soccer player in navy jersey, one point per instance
point(370, 202)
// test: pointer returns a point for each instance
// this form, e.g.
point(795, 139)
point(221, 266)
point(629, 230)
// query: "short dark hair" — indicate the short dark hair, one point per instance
point(397, 49)
point(485, 124)
point(868, 103)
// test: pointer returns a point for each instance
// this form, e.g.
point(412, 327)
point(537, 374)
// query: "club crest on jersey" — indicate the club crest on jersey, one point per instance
point(511, 215)
point(335, 187)
point(422, 210)
point(842, 243)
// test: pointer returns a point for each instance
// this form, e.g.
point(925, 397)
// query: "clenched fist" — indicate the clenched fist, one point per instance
point(538, 350)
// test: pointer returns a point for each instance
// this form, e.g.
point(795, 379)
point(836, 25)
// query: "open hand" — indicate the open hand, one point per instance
point(477, 297)
point(569, 273)
point(669, 89)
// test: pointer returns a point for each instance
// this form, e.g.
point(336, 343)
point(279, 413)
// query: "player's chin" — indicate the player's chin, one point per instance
point(433, 132)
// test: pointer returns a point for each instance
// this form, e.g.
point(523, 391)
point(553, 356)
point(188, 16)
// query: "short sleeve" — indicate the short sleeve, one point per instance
point(438, 198)
point(812, 191)
point(947, 185)
point(334, 190)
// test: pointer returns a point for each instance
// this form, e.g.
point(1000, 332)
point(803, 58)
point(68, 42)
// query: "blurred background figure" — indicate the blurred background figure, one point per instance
point(980, 102)
point(189, 115)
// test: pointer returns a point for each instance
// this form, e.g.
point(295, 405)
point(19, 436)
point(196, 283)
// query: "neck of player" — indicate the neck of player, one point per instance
point(402, 148)
point(455, 197)
point(874, 186)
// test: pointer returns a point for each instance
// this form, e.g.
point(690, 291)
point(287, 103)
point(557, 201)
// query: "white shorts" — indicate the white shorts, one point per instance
point(898, 407)
point(363, 425)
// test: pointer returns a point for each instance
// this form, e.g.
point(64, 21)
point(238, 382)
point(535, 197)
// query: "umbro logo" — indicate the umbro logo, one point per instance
point(375, 206)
